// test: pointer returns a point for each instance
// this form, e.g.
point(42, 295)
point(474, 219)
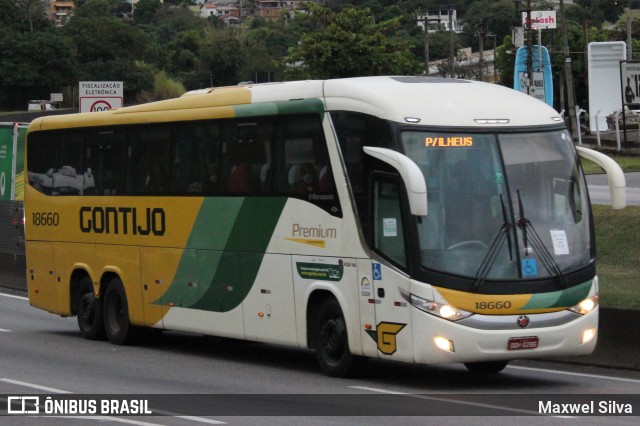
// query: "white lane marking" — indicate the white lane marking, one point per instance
point(13, 296)
point(34, 386)
point(54, 390)
point(454, 401)
point(2, 330)
point(569, 373)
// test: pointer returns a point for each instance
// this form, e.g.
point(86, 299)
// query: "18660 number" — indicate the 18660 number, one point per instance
point(45, 219)
point(493, 305)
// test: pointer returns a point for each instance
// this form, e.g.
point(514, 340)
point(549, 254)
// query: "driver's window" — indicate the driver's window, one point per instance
point(388, 229)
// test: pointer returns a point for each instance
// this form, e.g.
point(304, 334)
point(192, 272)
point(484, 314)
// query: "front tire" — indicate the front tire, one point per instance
point(117, 326)
point(487, 367)
point(89, 311)
point(331, 342)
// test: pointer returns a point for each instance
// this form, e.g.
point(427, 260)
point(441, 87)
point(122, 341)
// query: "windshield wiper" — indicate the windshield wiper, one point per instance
point(546, 258)
point(491, 256)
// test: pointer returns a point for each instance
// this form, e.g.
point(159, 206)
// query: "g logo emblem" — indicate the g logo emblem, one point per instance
point(385, 336)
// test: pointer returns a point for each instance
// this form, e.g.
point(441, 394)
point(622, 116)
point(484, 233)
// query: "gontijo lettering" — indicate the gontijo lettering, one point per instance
point(449, 141)
point(123, 220)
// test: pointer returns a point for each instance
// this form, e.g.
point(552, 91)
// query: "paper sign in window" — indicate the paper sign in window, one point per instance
point(389, 227)
point(560, 243)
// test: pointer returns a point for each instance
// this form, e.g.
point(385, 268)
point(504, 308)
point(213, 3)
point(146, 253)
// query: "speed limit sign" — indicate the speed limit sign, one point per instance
point(96, 96)
point(100, 105)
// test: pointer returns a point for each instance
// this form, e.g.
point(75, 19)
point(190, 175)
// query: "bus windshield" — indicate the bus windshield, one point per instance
point(502, 206)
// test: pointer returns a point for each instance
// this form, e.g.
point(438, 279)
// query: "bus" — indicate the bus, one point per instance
point(417, 219)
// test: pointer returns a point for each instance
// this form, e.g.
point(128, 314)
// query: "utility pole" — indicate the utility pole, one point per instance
point(451, 57)
point(529, 49)
point(629, 40)
point(426, 45)
point(481, 53)
point(425, 22)
point(571, 100)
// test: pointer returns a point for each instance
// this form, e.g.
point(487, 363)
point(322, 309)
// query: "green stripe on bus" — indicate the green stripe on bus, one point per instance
point(296, 106)
point(226, 274)
point(559, 299)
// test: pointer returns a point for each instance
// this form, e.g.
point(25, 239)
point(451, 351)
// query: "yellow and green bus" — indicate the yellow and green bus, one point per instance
point(405, 218)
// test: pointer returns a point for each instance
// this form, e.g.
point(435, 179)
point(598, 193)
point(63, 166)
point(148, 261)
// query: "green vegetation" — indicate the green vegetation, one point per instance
point(618, 245)
point(618, 256)
point(629, 163)
point(167, 41)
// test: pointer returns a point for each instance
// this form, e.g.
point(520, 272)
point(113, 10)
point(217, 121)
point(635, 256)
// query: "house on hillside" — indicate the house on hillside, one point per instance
point(60, 12)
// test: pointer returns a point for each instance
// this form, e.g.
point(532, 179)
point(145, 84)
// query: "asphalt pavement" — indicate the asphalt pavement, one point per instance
point(599, 189)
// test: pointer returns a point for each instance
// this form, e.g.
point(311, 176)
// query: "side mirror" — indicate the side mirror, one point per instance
point(615, 176)
point(410, 173)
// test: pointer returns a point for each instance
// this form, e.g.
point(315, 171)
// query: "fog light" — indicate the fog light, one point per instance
point(588, 335)
point(444, 344)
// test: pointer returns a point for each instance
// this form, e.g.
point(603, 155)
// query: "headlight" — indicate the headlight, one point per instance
point(586, 306)
point(438, 309)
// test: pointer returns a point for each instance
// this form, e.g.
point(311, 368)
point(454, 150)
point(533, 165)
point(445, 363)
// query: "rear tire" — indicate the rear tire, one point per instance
point(487, 367)
point(332, 344)
point(89, 311)
point(117, 326)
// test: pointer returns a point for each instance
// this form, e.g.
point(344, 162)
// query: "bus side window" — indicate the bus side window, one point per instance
point(209, 153)
point(187, 172)
point(40, 161)
point(70, 176)
point(387, 212)
point(149, 158)
point(248, 154)
point(109, 171)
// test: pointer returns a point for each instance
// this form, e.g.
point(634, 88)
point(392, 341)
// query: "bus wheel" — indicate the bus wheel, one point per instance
point(89, 311)
point(331, 343)
point(116, 315)
point(488, 367)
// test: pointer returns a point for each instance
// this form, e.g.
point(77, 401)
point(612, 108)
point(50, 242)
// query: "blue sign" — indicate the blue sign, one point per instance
point(377, 272)
point(542, 79)
point(529, 268)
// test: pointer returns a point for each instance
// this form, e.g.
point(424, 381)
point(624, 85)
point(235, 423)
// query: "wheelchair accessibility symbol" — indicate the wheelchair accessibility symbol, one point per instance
point(377, 272)
point(529, 268)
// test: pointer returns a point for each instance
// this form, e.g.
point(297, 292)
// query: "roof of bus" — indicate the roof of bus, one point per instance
point(420, 100)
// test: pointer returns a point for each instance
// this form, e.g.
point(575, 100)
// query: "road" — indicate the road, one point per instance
point(599, 189)
point(43, 354)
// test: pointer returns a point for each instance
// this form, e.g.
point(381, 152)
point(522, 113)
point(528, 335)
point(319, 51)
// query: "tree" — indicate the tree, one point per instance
point(32, 66)
point(489, 16)
point(346, 44)
point(10, 16)
point(145, 10)
point(31, 10)
point(599, 11)
point(109, 48)
point(505, 61)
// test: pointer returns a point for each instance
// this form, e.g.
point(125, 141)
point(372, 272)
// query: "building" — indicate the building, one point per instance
point(60, 12)
point(438, 20)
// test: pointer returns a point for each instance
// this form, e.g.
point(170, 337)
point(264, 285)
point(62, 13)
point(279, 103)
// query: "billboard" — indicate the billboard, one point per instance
point(12, 139)
point(630, 83)
point(545, 19)
point(604, 81)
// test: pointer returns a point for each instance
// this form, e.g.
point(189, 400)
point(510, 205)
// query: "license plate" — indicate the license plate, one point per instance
point(521, 343)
